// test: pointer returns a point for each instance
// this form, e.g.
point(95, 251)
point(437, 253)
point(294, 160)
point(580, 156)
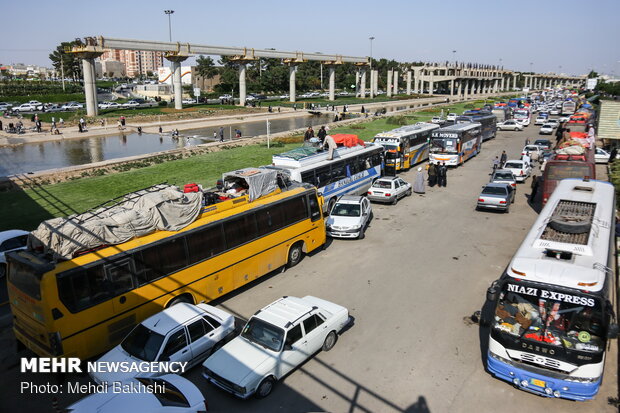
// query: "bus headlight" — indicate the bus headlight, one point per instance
point(557, 393)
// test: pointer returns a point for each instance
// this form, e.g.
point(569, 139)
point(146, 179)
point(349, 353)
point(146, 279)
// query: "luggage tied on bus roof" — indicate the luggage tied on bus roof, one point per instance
point(161, 207)
point(259, 181)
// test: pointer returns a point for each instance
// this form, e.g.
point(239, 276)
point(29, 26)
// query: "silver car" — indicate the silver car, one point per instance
point(504, 176)
point(389, 189)
point(496, 196)
point(349, 217)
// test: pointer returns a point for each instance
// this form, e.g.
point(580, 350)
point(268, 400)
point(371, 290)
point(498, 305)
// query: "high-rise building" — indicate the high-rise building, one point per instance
point(137, 62)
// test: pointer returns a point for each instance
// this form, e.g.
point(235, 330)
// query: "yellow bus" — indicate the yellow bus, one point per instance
point(405, 146)
point(83, 306)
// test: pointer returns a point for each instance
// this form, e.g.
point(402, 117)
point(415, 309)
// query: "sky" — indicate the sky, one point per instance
point(561, 36)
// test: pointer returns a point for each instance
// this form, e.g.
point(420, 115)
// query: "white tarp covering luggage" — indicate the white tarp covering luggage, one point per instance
point(162, 207)
point(260, 181)
point(572, 150)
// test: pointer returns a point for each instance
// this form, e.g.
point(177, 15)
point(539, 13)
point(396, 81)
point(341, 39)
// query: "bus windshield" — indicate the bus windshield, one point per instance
point(443, 145)
point(143, 343)
point(562, 171)
point(26, 279)
point(534, 314)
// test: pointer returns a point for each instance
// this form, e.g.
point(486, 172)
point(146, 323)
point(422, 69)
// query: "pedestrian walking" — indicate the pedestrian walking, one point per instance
point(503, 159)
point(295, 106)
point(418, 184)
point(221, 134)
point(526, 158)
point(123, 121)
point(80, 128)
point(363, 110)
point(161, 130)
point(62, 122)
point(1, 125)
point(613, 154)
point(38, 123)
point(442, 175)
point(534, 186)
point(527, 141)
point(432, 174)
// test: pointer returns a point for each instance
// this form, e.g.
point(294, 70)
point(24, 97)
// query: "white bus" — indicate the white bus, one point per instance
point(552, 307)
point(455, 144)
point(351, 171)
point(569, 107)
point(405, 146)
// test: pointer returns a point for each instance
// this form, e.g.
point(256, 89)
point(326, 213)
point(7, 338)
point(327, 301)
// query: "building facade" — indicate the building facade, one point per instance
point(137, 62)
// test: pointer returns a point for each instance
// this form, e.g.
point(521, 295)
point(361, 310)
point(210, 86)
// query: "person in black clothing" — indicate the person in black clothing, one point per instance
point(612, 155)
point(503, 159)
point(558, 134)
point(321, 134)
point(432, 175)
point(442, 174)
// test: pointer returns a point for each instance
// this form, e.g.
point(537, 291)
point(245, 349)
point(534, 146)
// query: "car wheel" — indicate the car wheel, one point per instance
point(295, 255)
point(409, 192)
point(361, 234)
point(395, 200)
point(264, 388)
point(507, 209)
point(330, 341)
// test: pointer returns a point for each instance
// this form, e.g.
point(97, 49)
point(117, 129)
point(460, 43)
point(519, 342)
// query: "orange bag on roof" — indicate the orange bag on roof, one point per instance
point(347, 140)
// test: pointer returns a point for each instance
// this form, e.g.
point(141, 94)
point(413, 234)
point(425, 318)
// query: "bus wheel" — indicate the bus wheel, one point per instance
point(181, 299)
point(294, 255)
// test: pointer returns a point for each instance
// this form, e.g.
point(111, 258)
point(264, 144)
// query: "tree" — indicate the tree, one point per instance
point(206, 67)
point(592, 74)
point(72, 65)
point(149, 73)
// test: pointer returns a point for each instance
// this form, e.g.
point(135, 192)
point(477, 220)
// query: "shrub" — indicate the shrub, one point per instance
point(397, 120)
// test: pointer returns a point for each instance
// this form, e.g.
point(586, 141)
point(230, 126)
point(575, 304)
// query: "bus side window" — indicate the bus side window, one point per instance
point(315, 211)
point(338, 172)
point(160, 260)
point(120, 276)
point(322, 176)
point(204, 243)
point(309, 177)
point(83, 288)
point(240, 230)
point(296, 210)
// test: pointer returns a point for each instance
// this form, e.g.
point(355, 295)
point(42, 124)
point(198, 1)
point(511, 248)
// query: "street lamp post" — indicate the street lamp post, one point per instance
point(169, 12)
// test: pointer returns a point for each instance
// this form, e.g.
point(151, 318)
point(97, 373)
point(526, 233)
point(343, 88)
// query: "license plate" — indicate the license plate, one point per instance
point(538, 383)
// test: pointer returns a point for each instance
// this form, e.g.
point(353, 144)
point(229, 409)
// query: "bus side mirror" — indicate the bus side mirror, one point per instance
point(492, 291)
point(612, 331)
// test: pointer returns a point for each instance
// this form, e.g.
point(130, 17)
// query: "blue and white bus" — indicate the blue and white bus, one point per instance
point(553, 306)
point(351, 171)
point(486, 119)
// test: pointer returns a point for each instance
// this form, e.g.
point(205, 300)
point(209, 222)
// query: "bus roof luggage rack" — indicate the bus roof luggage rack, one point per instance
point(570, 223)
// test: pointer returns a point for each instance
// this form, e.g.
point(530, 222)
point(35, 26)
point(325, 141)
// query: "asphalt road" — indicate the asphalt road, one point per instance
point(410, 285)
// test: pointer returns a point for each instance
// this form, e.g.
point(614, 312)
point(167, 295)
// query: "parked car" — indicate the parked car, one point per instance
point(535, 151)
point(389, 189)
point(188, 101)
point(555, 111)
point(504, 176)
point(496, 196)
point(52, 108)
point(182, 333)
point(5, 106)
point(130, 104)
point(451, 117)
point(546, 129)
point(275, 340)
point(174, 394)
point(602, 156)
point(284, 96)
point(225, 97)
point(349, 217)
point(543, 143)
point(523, 121)
point(12, 240)
point(554, 122)
point(509, 124)
point(437, 119)
point(25, 107)
point(520, 169)
point(72, 106)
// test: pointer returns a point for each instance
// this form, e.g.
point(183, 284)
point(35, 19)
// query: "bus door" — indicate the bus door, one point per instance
point(405, 154)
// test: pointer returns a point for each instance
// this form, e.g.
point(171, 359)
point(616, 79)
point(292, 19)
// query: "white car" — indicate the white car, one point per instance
point(284, 96)
point(555, 111)
point(509, 124)
point(532, 148)
point(5, 106)
point(540, 120)
point(275, 341)
point(602, 156)
point(520, 169)
point(554, 122)
point(436, 119)
point(169, 393)
point(451, 117)
point(349, 217)
point(222, 97)
point(72, 106)
point(188, 101)
point(131, 104)
point(13, 240)
point(524, 121)
point(389, 189)
point(564, 119)
point(182, 333)
point(546, 129)
point(25, 107)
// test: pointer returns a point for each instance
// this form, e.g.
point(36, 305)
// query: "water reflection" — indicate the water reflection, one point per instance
point(72, 152)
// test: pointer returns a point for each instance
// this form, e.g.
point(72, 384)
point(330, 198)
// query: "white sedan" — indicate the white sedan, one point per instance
point(167, 393)
point(389, 189)
point(510, 124)
point(275, 341)
point(72, 106)
point(349, 217)
point(602, 156)
point(184, 334)
point(540, 120)
point(520, 169)
point(524, 121)
point(546, 129)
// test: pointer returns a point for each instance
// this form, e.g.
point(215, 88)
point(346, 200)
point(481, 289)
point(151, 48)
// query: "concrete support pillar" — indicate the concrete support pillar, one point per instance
point(332, 83)
point(389, 83)
point(363, 84)
point(408, 82)
point(503, 84)
point(459, 92)
point(357, 83)
point(376, 85)
point(452, 87)
point(176, 82)
point(371, 85)
point(416, 81)
point(88, 68)
point(242, 86)
point(431, 84)
point(395, 79)
point(292, 72)
point(495, 85)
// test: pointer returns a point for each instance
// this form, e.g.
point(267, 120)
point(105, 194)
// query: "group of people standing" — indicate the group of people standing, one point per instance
point(437, 174)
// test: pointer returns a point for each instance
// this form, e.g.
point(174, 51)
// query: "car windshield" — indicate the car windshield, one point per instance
point(542, 142)
point(494, 190)
point(143, 343)
point(504, 176)
point(555, 318)
point(346, 210)
point(263, 333)
point(443, 145)
point(382, 184)
point(513, 165)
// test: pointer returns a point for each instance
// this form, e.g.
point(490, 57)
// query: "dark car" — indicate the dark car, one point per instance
point(543, 143)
